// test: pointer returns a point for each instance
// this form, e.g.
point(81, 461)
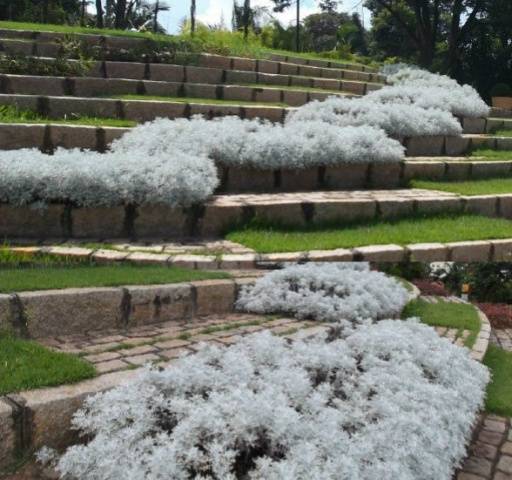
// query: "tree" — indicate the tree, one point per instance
point(99, 14)
point(421, 21)
point(281, 5)
point(120, 14)
point(159, 7)
point(329, 6)
point(193, 17)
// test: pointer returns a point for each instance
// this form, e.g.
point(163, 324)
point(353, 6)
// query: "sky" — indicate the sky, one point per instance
point(211, 11)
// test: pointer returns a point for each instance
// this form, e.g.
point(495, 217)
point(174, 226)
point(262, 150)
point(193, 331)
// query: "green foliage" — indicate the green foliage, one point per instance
point(26, 365)
point(48, 11)
point(407, 270)
point(499, 391)
point(470, 187)
point(501, 90)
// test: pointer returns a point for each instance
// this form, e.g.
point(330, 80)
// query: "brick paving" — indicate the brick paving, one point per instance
point(502, 338)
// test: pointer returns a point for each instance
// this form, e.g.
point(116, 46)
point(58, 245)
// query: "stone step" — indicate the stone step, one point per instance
point(61, 221)
point(501, 113)
point(47, 137)
point(317, 62)
point(195, 74)
point(100, 87)
point(47, 44)
point(486, 125)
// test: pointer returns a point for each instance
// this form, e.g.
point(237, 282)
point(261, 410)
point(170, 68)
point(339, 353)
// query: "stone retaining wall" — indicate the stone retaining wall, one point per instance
point(222, 212)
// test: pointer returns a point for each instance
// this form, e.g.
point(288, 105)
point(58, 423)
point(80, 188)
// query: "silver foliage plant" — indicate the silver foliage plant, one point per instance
point(377, 402)
point(332, 292)
point(93, 179)
point(234, 142)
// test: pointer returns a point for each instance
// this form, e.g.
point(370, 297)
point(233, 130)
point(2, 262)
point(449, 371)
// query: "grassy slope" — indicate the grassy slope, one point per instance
point(490, 154)
point(446, 314)
point(499, 391)
point(268, 239)
point(10, 114)
point(469, 187)
point(210, 101)
point(16, 279)
point(503, 133)
point(25, 365)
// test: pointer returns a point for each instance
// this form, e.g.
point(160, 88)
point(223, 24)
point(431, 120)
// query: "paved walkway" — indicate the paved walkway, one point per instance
point(502, 338)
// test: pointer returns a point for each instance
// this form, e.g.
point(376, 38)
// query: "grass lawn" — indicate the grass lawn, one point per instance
point(499, 391)
point(25, 365)
point(503, 133)
point(470, 187)
point(446, 314)
point(489, 154)
point(208, 101)
point(297, 89)
point(271, 239)
point(47, 277)
point(10, 114)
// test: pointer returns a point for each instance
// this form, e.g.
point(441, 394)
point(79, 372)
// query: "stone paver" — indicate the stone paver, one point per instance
point(502, 338)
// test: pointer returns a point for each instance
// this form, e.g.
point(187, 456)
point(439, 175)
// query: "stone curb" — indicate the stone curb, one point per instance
point(482, 340)
point(58, 221)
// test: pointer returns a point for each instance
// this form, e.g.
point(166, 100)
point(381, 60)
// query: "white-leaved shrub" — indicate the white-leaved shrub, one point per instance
point(397, 119)
point(93, 179)
point(418, 87)
point(390, 401)
point(335, 292)
point(234, 142)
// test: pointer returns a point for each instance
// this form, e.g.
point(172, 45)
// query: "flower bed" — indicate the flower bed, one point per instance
point(499, 314)
point(355, 406)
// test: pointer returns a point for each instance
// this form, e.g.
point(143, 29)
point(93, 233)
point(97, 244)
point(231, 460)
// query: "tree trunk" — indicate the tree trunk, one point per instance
point(193, 17)
point(297, 30)
point(247, 17)
point(45, 11)
point(120, 14)
point(155, 17)
point(99, 14)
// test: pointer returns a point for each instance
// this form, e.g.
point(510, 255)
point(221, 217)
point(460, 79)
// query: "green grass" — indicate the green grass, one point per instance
point(499, 391)
point(503, 133)
point(490, 154)
point(266, 238)
point(208, 101)
point(446, 314)
point(11, 114)
point(470, 187)
point(294, 89)
point(29, 278)
point(25, 365)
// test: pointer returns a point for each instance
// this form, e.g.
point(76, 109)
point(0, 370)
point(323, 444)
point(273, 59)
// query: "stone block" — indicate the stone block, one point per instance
point(458, 170)
point(144, 111)
point(423, 170)
point(295, 98)
point(439, 205)
point(244, 64)
point(167, 73)
point(346, 177)
point(491, 169)
point(18, 47)
point(212, 111)
point(473, 125)
point(203, 75)
point(27, 222)
point(337, 255)
point(289, 69)
point(238, 77)
point(214, 61)
point(238, 261)
point(457, 145)
point(394, 208)
point(131, 70)
point(123, 43)
point(74, 136)
point(160, 221)
point(380, 253)
point(200, 90)
point(505, 206)
point(53, 408)
point(286, 213)
point(71, 311)
point(214, 296)
point(504, 143)
point(23, 102)
point(301, 81)
point(477, 141)
point(274, 114)
point(91, 87)
point(268, 66)
point(299, 180)
point(358, 88)
point(425, 146)
point(320, 96)
point(494, 124)
point(384, 175)
point(427, 252)
point(98, 222)
point(218, 218)
point(477, 251)
point(310, 71)
point(327, 83)
point(162, 303)
point(486, 205)
point(502, 250)
point(342, 211)
point(163, 89)
point(68, 107)
point(266, 94)
point(113, 133)
point(33, 85)
point(15, 136)
point(141, 258)
point(7, 436)
point(5, 308)
point(235, 92)
point(248, 180)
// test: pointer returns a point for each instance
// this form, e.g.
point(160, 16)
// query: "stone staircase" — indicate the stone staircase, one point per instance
point(214, 85)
